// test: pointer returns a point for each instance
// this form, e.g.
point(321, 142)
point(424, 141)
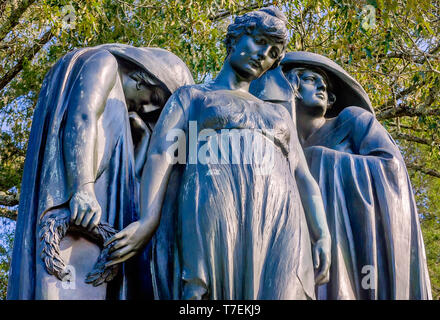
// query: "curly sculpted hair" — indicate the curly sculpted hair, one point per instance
point(271, 22)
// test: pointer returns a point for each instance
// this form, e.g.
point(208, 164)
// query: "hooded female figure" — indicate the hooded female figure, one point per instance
point(377, 245)
point(80, 163)
point(247, 205)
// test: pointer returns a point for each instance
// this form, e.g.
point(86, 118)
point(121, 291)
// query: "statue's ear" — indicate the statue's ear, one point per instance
point(138, 85)
point(331, 99)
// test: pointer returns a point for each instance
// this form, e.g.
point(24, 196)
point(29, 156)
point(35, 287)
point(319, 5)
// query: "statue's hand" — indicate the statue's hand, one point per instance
point(85, 210)
point(321, 260)
point(126, 243)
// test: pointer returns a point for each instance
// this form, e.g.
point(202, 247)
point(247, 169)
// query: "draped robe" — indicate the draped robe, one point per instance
point(377, 245)
point(44, 186)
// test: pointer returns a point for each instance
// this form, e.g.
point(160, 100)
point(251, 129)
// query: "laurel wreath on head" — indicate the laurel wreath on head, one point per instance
point(53, 228)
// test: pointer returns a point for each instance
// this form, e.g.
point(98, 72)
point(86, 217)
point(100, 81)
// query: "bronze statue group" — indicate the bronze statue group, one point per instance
point(333, 218)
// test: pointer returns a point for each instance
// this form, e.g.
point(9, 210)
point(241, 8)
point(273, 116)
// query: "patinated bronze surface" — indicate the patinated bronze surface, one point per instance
point(81, 164)
point(272, 181)
point(377, 246)
point(235, 232)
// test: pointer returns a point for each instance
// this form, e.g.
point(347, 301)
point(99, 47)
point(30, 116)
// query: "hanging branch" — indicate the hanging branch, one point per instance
point(10, 214)
point(401, 94)
point(406, 127)
point(2, 7)
point(14, 18)
point(404, 110)
point(28, 55)
point(225, 13)
point(411, 138)
point(424, 170)
point(8, 199)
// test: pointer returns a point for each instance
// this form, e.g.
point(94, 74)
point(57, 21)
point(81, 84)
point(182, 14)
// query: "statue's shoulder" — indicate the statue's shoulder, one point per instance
point(91, 56)
point(103, 57)
point(354, 113)
point(189, 92)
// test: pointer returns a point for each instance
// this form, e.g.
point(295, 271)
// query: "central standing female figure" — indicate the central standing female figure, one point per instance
point(236, 232)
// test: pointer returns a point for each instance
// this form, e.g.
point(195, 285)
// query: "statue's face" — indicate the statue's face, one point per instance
point(253, 55)
point(313, 90)
point(138, 96)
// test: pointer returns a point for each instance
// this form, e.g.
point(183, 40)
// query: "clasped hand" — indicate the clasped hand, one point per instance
point(126, 243)
point(85, 210)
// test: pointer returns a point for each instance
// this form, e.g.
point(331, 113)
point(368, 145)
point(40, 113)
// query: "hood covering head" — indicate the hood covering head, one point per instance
point(165, 66)
point(347, 90)
point(45, 188)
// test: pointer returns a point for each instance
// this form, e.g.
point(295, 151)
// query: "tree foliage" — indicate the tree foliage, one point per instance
point(6, 239)
point(395, 56)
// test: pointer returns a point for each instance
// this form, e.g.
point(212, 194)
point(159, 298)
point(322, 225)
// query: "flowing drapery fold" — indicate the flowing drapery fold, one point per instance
point(377, 245)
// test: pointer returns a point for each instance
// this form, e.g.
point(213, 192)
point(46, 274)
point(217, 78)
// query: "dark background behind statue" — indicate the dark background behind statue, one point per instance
point(397, 76)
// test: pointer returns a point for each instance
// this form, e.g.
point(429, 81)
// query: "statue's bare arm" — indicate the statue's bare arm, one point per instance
point(313, 205)
point(87, 102)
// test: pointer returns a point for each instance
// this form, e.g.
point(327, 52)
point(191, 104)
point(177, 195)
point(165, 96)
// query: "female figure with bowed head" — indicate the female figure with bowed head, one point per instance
point(93, 116)
point(240, 228)
point(377, 245)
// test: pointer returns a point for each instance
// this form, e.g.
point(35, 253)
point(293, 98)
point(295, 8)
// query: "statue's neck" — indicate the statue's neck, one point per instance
point(229, 79)
point(308, 124)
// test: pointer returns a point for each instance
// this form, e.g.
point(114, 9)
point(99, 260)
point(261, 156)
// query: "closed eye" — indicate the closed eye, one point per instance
point(260, 41)
point(274, 53)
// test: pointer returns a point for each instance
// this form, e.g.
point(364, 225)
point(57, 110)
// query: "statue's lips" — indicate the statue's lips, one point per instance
point(320, 95)
point(255, 63)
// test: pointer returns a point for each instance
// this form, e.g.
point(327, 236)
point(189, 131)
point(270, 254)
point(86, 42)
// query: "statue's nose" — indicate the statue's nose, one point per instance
point(321, 85)
point(263, 52)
